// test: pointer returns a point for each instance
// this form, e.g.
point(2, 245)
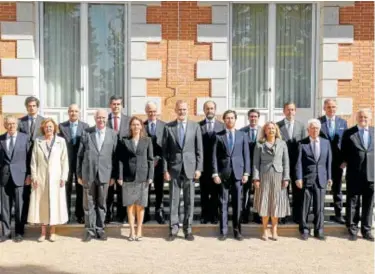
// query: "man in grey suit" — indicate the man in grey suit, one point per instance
point(183, 164)
point(96, 170)
point(72, 131)
point(14, 172)
point(313, 174)
point(155, 129)
point(30, 125)
point(119, 122)
point(358, 154)
point(253, 131)
point(292, 132)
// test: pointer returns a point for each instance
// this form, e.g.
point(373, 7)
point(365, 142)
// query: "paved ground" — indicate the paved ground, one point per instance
point(205, 255)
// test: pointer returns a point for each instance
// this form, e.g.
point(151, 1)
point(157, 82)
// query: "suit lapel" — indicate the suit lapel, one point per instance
point(129, 144)
point(225, 140)
point(358, 140)
point(25, 125)
point(236, 140)
point(109, 122)
point(4, 144)
point(174, 131)
point(284, 131)
point(66, 128)
point(204, 127)
point(93, 139)
point(371, 134)
point(43, 146)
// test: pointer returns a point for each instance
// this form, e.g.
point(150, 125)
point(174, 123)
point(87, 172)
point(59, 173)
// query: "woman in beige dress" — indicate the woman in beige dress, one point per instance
point(271, 178)
point(49, 172)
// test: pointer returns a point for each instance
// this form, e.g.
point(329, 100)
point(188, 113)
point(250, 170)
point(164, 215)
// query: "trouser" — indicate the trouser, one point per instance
point(72, 178)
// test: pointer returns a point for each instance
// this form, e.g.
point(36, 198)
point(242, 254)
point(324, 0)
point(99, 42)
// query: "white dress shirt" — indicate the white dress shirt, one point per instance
point(8, 140)
point(365, 137)
point(290, 127)
point(118, 120)
point(210, 122)
point(315, 146)
point(100, 137)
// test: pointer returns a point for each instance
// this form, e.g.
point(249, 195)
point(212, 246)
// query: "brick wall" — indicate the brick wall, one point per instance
point(179, 52)
point(8, 49)
point(361, 53)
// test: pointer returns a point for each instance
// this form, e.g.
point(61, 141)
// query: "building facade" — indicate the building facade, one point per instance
point(242, 55)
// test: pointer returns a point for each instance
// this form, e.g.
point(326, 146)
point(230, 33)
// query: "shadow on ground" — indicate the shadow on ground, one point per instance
point(26, 269)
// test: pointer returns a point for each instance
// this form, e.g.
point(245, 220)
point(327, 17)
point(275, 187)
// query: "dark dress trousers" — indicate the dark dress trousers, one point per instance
point(32, 133)
point(72, 145)
point(158, 180)
point(14, 167)
point(246, 189)
point(209, 190)
point(123, 131)
point(315, 175)
point(359, 179)
point(336, 141)
point(231, 165)
point(299, 132)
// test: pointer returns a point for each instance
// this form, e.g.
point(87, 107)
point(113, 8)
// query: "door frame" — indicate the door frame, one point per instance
point(86, 112)
point(273, 113)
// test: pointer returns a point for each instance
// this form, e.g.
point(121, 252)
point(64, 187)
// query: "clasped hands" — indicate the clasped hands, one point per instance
point(217, 179)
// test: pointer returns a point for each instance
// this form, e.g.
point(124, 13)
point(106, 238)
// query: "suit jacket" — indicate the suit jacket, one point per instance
point(299, 132)
point(188, 156)
point(308, 169)
point(157, 143)
point(17, 164)
point(208, 140)
point(92, 163)
point(65, 133)
point(340, 126)
point(252, 144)
point(124, 125)
point(360, 161)
point(264, 159)
point(135, 164)
point(224, 161)
point(23, 126)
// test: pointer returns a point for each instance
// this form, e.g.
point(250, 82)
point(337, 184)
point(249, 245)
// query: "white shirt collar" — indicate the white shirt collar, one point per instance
point(230, 130)
point(113, 115)
point(101, 130)
point(288, 122)
point(332, 119)
point(316, 140)
point(14, 135)
point(255, 128)
point(360, 128)
point(210, 121)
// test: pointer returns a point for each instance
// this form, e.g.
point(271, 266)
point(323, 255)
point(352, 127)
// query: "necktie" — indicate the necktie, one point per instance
point(252, 135)
point(73, 133)
point(11, 145)
point(32, 127)
point(210, 126)
point(115, 123)
point(101, 139)
point(153, 129)
point(315, 150)
point(182, 134)
point(365, 138)
point(230, 141)
point(331, 129)
point(290, 130)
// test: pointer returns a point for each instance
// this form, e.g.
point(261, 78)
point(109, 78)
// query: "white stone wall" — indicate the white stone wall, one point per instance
point(331, 69)
point(141, 68)
point(215, 69)
point(24, 66)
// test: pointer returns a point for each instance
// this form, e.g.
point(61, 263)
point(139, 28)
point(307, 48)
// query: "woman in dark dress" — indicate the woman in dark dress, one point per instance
point(136, 170)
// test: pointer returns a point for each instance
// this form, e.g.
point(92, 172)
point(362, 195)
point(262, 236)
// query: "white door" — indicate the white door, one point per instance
point(83, 55)
point(272, 59)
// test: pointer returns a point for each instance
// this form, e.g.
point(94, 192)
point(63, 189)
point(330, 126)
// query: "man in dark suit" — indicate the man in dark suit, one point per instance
point(14, 169)
point(119, 122)
point(358, 155)
point(155, 128)
point(253, 131)
point(292, 132)
point(183, 164)
point(209, 190)
point(313, 174)
point(72, 131)
point(96, 170)
point(333, 128)
point(231, 169)
point(30, 125)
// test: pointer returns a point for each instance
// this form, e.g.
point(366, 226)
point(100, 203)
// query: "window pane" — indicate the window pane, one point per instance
point(106, 34)
point(293, 54)
point(249, 55)
point(61, 54)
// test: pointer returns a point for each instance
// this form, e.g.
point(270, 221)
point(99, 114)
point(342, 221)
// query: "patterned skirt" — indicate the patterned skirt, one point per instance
point(134, 193)
point(270, 199)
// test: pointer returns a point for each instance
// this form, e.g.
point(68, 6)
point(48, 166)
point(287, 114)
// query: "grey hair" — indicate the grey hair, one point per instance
point(99, 110)
point(314, 121)
point(9, 117)
point(364, 110)
point(151, 103)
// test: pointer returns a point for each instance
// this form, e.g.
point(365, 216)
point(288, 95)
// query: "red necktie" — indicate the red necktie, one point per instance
point(115, 122)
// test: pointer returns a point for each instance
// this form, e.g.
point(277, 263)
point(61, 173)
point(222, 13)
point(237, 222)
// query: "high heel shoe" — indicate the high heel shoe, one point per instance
point(42, 238)
point(52, 237)
point(130, 238)
point(264, 236)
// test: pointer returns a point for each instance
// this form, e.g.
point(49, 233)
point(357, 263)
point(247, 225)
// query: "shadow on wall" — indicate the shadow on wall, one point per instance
point(22, 269)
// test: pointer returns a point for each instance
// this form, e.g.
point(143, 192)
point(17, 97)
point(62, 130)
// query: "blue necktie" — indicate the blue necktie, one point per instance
point(73, 131)
point(331, 129)
point(182, 134)
point(365, 138)
point(230, 141)
point(252, 135)
point(153, 129)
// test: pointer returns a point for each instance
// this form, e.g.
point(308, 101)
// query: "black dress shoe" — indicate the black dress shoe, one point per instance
point(238, 237)
point(368, 237)
point(203, 221)
point(353, 237)
point(339, 220)
point(171, 237)
point(245, 220)
point(18, 238)
point(320, 237)
point(215, 221)
point(80, 220)
point(305, 236)
point(222, 237)
point(108, 219)
point(189, 237)
point(160, 218)
point(87, 238)
point(5, 238)
point(102, 237)
point(282, 221)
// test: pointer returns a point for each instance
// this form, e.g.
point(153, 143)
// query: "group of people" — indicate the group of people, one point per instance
point(40, 160)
